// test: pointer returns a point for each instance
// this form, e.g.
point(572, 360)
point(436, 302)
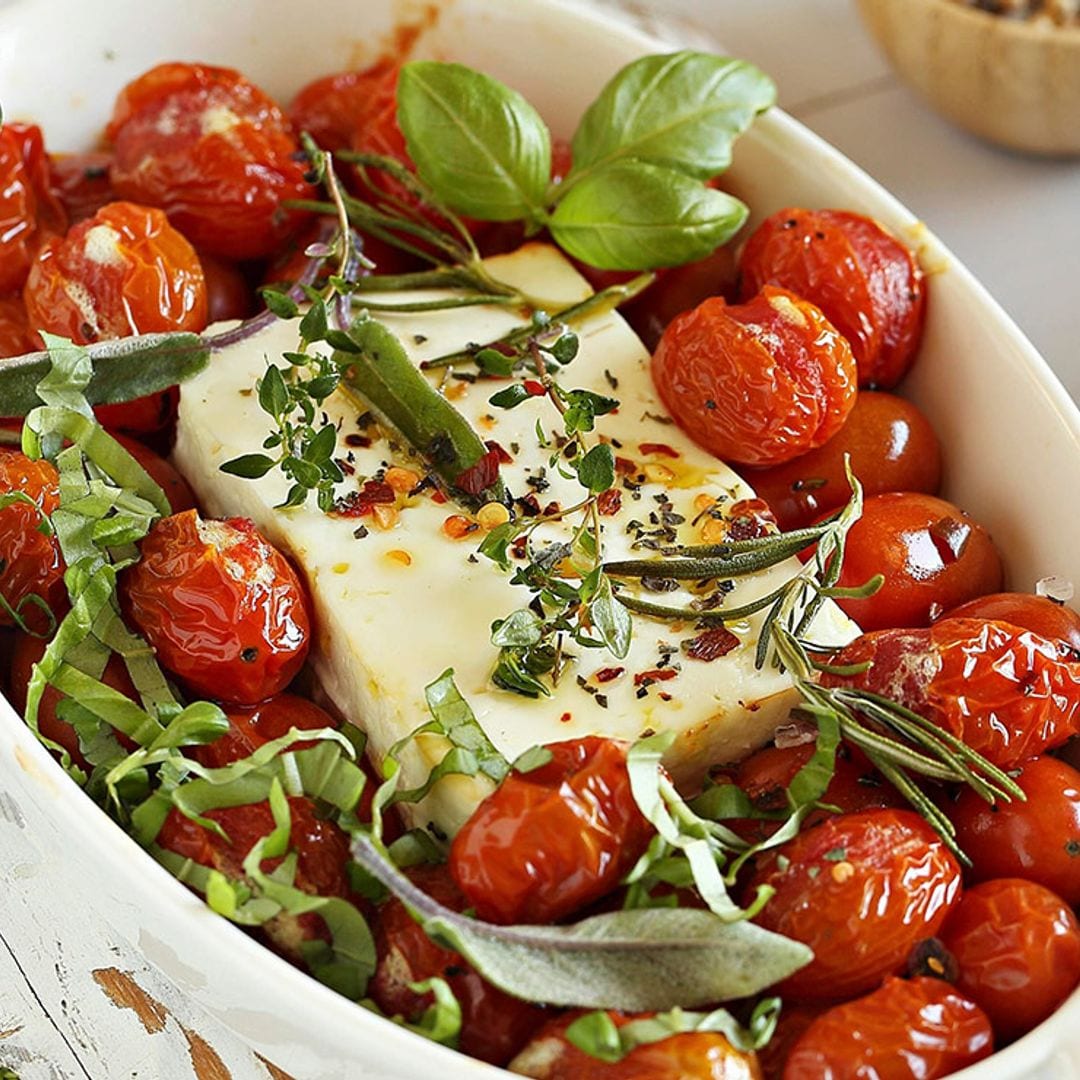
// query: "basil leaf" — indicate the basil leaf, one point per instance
point(652, 958)
point(635, 216)
point(479, 145)
point(457, 721)
point(682, 110)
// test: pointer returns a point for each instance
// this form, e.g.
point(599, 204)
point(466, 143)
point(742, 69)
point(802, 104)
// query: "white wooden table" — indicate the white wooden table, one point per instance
point(91, 1009)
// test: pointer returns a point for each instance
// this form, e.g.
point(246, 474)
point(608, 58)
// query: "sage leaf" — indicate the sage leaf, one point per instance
point(479, 145)
point(645, 959)
point(683, 110)
point(636, 216)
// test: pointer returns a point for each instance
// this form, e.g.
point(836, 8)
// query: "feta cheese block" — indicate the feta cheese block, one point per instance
point(398, 599)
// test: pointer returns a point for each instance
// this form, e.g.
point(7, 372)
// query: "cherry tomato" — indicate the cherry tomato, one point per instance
point(1004, 691)
point(892, 448)
point(866, 282)
point(793, 1022)
point(322, 851)
point(214, 152)
point(547, 842)
point(919, 1029)
point(163, 473)
point(332, 108)
point(1030, 612)
point(222, 608)
point(756, 384)
point(1017, 946)
point(1038, 840)
point(15, 339)
point(228, 295)
point(861, 890)
point(931, 554)
point(29, 212)
point(693, 1056)
point(30, 561)
point(81, 183)
point(494, 1025)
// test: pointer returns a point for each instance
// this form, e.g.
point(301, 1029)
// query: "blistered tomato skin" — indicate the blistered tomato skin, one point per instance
point(15, 339)
point(866, 282)
point(861, 890)
point(30, 561)
point(494, 1025)
point(222, 608)
point(1036, 613)
point(29, 212)
point(919, 1029)
point(81, 183)
point(892, 448)
point(1004, 691)
point(550, 841)
point(1038, 840)
point(931, 554)
point(758, 383)
point(214, 152)
point(1017, 948)
point(692, 1056)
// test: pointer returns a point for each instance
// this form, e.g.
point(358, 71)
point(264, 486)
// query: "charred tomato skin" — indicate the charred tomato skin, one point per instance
point(1017, 948)
point(866, 282)
point(861, 890)
point(920, 1029)
point(223, 609)
point(548, 842)
point(757, 383)
point(1004, 691)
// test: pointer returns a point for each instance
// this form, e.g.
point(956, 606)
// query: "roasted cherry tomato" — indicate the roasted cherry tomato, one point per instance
point(919, 1029)
point(892, 448)
point(759, 383)
point(27, 652)
point(550, 841)
point(228, 294)
point(214, 152)
point(322, 851)
point(30, 561)
point(29, 212)
point(1028, 611)
point(494, 1025)
point(793, 1022)
point(222, 608)
point(1004, 691)
point(162, 472)
point(693, 1056)
point(1017, 947)
point(15, 339)
point(866, 282)
point(333, 108)
point(1038, 840)
point(931, 554)
point(81, 183)
point(861, 890)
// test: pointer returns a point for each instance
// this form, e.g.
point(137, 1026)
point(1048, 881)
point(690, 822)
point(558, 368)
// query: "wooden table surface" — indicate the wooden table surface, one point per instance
point(88, 1006)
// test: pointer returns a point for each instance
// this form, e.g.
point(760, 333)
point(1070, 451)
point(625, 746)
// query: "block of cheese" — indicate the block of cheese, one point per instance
point(399, 601)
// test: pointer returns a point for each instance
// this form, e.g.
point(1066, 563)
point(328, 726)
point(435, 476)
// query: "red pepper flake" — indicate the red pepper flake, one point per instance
point(750, 519)
point(565, 718)
point(711, 644)
point(658, 448)
point(624, 466)
point(437, 496)
point(608, 502)
point(551, 508)
point(477, 478)
point(360, 503)
point(519, 547)
point(534, 388)
point(504, 457)
point(362, 441)
point(664, 695)
point(605, 675)
point(644, 678)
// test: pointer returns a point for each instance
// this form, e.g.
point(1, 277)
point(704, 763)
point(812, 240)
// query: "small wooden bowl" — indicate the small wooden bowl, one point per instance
point(1012, 82)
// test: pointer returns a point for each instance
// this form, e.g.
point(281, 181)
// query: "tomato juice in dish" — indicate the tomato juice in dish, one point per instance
point(386, 497)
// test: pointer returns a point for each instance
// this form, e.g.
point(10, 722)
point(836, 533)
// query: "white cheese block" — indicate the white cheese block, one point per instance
point(399, 605)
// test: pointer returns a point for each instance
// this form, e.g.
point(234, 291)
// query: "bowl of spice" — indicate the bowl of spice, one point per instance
point(1006, 70)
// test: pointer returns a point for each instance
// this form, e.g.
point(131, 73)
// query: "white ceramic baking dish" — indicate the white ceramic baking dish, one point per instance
point(1011, 433)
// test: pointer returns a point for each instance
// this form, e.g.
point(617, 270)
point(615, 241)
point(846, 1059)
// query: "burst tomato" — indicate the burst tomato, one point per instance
point(919, 1029)
point(494, 1025)
point(29, 212)
point(214, 152)
point(892, 448)
point(866, 282)
point(1017, 947)
point(692, 1056)
point(758, 383)
point(550, 841)
point(1004, 691)
point(1036, 613)
point(861, 890)
point(81, 183)
point(1038, 840)
point(222, 608)
point(931, 554)
point(15, 339)
point(30, 561)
